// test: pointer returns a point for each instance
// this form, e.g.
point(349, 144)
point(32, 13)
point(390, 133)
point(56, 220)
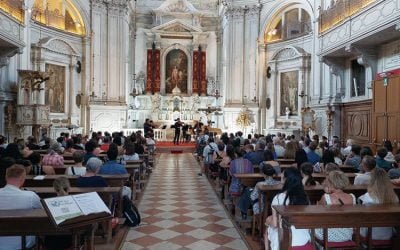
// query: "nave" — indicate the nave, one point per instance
point(180, 210)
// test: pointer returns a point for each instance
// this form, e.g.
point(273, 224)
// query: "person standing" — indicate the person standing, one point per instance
point(178, 125)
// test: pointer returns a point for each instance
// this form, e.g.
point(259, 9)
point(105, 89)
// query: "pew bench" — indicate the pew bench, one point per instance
point(346, 216)
point(36, 222)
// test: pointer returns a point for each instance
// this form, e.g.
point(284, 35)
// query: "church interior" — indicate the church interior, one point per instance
point(204, 113)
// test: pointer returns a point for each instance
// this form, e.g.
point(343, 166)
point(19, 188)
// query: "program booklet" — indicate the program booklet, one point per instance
point(72, 209)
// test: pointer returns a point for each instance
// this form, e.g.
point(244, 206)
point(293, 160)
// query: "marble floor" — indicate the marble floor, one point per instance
point(180, 210)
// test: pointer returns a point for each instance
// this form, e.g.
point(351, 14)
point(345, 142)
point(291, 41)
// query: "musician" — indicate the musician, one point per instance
point(178, 125)
point(185, 129)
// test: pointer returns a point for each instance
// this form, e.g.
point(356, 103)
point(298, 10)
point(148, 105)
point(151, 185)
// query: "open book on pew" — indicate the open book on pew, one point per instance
point(71, 210)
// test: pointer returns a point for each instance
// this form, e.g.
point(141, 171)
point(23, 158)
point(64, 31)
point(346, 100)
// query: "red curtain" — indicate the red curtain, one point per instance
point(199, 72)
point(153, 71)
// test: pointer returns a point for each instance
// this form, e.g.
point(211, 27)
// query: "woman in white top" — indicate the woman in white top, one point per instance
point(130, 154)
point(334, 184)
point(292, 194)
point(380, 191)
point(77, 169)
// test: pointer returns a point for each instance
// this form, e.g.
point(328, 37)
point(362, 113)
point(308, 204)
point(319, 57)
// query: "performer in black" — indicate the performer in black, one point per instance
point(185, 134)
point(178, 125)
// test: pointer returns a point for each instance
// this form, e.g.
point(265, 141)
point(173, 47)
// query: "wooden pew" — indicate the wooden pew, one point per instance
point(285, 161)
point(106, 194)
point(35, 222)
point(314, 193)
point(131, 167)
point(112, 180)
point(250, 180)
point(346, 216)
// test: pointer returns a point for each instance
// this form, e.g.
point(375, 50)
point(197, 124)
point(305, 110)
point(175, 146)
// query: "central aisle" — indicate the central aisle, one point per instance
point(180, 210)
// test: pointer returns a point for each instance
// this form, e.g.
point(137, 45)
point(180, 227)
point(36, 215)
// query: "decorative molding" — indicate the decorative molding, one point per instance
point(56, 45)
point(176, 26)
point(289, 53)
point(176, 6)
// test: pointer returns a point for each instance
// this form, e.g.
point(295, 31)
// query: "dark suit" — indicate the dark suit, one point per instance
point(177, 126)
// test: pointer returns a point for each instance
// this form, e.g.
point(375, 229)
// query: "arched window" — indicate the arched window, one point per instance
point(290, 23)
point(59, 14)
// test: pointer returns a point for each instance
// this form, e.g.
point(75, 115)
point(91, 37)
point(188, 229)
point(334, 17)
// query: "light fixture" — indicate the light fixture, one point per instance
point(134, 91)
point(302, 94)
point(272, 32)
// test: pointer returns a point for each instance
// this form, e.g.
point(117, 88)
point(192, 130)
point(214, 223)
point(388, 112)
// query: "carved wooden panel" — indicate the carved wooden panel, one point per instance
point(357, 122)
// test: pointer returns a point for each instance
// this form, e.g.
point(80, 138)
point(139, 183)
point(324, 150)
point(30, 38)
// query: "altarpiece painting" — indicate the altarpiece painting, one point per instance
point(55, 88)
point(289, 83)
point(176, 71)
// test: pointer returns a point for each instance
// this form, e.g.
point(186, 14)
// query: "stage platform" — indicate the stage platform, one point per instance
point(169, 147)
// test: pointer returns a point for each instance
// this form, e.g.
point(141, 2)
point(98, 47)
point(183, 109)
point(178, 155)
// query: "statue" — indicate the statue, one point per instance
point(287, 112)
point(195, 102)
point(156, 103)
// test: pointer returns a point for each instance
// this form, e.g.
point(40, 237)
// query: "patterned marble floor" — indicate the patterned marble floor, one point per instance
point(180, 210)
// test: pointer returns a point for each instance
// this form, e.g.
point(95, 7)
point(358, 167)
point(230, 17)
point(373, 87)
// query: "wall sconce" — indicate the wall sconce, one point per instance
point(302, 94)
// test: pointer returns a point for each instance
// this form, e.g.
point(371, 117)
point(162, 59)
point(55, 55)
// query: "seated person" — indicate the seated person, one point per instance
point(334, 184)
point(368, 165)
point(292, 194)
point(257, 156)
point(90, 178)
point(11, 198)
point(54, 157)
point(61, 186)
point(106, 144)
point(354, 158)
point(90, 148)
point(394, 173)
point(37, 168)
point(130, 154)
point(112, 167)
point(380, 191)
point(306, 172)
point(269, 159)
point(238, 166)
point(269, 173)
point(77, 168)
point(312, 156)
point(380, 159)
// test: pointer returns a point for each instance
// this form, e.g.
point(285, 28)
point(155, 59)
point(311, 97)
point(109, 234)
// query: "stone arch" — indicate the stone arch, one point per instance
point(281, 6)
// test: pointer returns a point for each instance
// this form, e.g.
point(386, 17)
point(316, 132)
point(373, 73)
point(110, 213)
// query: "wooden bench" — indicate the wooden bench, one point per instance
point(346, 216)
point(112, 180)
point(250, 180)
point(314, 193)
point(105, 193)
point(36, 222)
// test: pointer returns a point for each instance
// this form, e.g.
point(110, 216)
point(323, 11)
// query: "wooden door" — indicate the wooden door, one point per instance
point(379, 124)
point(393, 109)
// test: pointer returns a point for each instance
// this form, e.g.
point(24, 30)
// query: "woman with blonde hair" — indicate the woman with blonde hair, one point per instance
point(334, 184)
point(380, 191)
point(291, 148)
point(61, 186)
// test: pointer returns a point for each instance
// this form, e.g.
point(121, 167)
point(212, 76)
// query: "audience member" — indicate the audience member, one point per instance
point(12, 197)
point(90, 147)
point(312, 156)
point(334, 184)
point(54, 157)
point(307, 170)
point(300, 157)
point(380, 159)
point(257, 156)
point(238, 166)
point(37, 168)
point(292, 194)
point(354, 159)
point(394, 173)
point(77, 168)
point(368, 164)
point(380, 191)
point(90, 178)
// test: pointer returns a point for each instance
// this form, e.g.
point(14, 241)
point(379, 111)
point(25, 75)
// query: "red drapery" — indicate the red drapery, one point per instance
point(199, 72)
point(153, 71)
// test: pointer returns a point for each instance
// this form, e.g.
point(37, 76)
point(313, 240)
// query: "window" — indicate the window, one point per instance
point(289, 24)
point(357, 79)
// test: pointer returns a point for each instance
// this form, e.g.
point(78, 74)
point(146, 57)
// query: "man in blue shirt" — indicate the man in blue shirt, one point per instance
point(257, 156)
point(354, 158)
point(112, 167)
point(313, 157)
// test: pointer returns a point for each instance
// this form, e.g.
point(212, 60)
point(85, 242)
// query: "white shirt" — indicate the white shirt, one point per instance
point(279, 150)
point(78, 171)
point(378, 233)
point(300, 237)
point(362, 179)
point(11, 198)
point(346, 151)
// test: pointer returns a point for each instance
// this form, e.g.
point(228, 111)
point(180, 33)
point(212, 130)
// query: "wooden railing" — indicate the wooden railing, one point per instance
point(159, 134)
point(14, 8)
point(341, 10)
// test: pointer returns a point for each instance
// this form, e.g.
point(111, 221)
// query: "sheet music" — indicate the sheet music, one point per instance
point(63, 208)
point(90, 203)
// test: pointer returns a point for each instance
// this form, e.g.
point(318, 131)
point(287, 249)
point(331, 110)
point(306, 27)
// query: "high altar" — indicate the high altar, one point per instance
point(177, 72)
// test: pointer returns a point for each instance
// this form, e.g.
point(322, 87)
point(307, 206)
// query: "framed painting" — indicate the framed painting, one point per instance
point(55, 88)
point(176, 71)
point(289, 84)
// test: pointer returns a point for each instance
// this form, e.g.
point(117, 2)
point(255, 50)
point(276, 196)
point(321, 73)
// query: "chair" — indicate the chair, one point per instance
point(307, 246)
